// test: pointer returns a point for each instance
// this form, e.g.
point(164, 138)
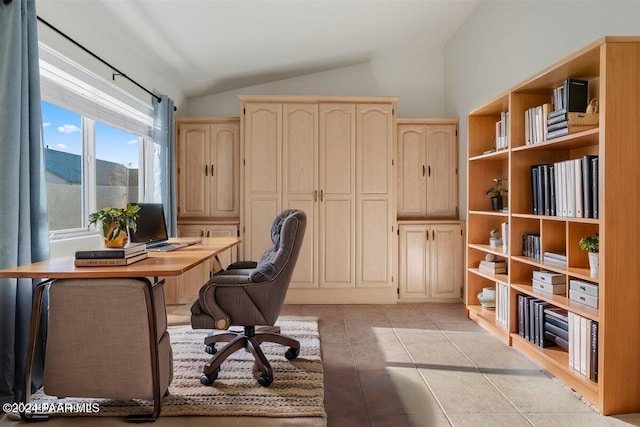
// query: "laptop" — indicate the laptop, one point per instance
point(152, 229)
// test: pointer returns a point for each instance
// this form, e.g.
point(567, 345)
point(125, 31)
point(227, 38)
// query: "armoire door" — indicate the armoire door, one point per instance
point(375, 186)
point(300, 183)
point(336, 198)
point(263, 175)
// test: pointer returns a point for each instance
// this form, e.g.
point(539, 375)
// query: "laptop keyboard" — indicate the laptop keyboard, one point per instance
point(157, 245)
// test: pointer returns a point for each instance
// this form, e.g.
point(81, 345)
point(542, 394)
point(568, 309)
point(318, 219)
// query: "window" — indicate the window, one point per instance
point(96, 140)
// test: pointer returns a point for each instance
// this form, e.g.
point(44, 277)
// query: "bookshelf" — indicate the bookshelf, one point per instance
point(610, 65)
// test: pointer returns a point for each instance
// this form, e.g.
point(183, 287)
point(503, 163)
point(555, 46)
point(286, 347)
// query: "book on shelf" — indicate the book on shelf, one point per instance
point(594, 186)
point(534, 189)
point(505, 237)
point(492, 270)
point(558, 313)
point(593, 374)
point(130, 249)
point(557, 133)
point(99, 262)
point(556, 330)
point(531, 246)
point(575, 95)
point(587, 186)
point(570, 189)
point(577, 170)
point(502, 304)
point(559, 341)
point(556, 117)
point(558, 256)
point(558, 125)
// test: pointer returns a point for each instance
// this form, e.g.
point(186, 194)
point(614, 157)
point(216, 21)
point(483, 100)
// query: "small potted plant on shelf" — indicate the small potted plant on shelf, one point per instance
point(115, 223)
point(494, 238)
point(496, 194)
point(591, 244)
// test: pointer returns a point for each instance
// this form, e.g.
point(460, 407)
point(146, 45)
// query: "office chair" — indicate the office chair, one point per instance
point(251, 294)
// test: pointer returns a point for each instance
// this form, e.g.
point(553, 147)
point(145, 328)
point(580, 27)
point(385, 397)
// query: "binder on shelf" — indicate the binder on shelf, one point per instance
point(576, 95)
point(587, 201)
point(594, 186)
point(546, 191)
point(577, 169)
point(534, 189)
point(552, 190)
point(593, 374)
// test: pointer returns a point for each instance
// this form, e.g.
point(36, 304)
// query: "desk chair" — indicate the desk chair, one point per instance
point(108, 338)
point(251, 294)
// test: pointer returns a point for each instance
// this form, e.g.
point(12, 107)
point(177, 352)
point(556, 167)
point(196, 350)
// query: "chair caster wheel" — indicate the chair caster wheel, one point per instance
point(265, 380)
point(209, 379)
point(211, 349)
point(292, 353)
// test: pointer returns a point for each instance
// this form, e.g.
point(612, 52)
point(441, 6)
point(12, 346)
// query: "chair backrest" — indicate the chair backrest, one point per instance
point(277, 264)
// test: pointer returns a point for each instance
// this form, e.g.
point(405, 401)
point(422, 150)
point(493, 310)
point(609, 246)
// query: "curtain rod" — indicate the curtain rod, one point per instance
point(117, 72)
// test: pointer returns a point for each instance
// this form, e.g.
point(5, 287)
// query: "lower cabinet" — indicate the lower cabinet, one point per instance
point(430, 260)
point(184, 289)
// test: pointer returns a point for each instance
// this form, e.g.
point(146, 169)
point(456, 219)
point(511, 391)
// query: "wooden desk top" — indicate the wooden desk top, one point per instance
point(172, 263)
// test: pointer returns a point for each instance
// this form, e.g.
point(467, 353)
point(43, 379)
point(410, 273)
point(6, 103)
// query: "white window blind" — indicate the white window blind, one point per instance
point(70, 86)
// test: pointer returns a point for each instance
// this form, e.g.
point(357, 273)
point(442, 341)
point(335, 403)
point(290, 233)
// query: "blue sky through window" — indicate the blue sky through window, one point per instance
point(63, 132)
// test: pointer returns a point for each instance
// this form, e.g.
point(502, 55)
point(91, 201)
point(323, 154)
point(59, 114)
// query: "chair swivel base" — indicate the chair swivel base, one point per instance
point(250, 340)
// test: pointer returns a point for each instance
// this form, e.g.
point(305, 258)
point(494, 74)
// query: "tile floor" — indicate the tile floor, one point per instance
point(428, 365)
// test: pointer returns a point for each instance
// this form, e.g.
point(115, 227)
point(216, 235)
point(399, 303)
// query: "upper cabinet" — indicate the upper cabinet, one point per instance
point(427, 168)
point(208, 159)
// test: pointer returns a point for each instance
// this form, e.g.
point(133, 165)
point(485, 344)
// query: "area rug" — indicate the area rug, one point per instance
point(297, 389)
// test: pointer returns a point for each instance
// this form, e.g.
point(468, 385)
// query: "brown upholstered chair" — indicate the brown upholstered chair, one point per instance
point(251, 294)
point(108, 339)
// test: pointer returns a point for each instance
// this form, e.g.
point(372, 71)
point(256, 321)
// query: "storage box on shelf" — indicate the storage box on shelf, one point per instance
point(545, 240)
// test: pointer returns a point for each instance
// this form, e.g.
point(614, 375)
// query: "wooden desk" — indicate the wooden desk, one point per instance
point(157, 265)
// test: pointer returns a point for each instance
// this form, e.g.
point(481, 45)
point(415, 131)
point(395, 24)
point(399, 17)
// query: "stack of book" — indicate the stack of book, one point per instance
point(556, 327)
point(554, 258)
point(131, 253)
point(570, 104)
point(583, 345)
point(498, 266)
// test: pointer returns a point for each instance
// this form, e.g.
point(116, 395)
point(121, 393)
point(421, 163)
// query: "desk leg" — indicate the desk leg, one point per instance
point(216, 266)
point(36, 314)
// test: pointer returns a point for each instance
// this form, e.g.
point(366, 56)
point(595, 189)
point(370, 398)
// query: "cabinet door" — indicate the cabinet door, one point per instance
point(442, 176)
point(412, 176)
point(445, 261)
point(413, 268)
point(191, 230)
point(230, 255)
point(299, 179)
point(224, 170)
point(193, 170)
point(263, 175)
point(337, 183)
point(376, 210)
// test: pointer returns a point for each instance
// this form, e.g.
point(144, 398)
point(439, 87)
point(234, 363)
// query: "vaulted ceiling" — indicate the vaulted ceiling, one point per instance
point(210, 46)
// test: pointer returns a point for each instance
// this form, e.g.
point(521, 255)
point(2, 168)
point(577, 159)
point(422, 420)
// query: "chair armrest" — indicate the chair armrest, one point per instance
point(242, 265)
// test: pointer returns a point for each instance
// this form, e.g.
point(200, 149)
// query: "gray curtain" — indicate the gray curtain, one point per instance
point(23, 211)
point(164, 136)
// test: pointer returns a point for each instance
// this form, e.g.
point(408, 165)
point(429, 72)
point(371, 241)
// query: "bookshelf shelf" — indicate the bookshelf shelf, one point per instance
point(609, 66)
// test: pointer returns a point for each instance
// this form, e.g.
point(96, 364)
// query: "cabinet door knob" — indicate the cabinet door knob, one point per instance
point(315, 195)
point(212, 169)
point(205, 170)
point(321, 194)
point(429, 170)
point(433, 234)
point(423, 170)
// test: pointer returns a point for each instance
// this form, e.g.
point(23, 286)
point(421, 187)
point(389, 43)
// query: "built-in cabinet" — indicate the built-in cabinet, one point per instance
point(427, 168)
point(431, 257)
point(208, 166)
point(334, 158)
point(610, 68)
point(208, 192)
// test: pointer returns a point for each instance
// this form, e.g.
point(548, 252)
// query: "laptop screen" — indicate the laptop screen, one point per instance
point(151, 224)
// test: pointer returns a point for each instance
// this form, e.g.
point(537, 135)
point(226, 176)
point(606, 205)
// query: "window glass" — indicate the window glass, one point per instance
point(62, 135)
point(117, 161)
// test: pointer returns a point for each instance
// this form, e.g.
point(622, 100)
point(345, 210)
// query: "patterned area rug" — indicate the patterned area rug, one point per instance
point(297, 389)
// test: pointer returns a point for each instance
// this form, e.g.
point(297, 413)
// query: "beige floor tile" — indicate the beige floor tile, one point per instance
point(379, 394)
point(568, 419)
point(465, 392)
point(489, 420)
point(535, 392)
point(337, 356)
point(428, 420)
point(413, 392)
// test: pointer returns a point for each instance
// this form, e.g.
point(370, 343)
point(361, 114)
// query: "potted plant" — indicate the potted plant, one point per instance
point(494, 238)
point(115, 223)
point(496, 194)
point(591, 244)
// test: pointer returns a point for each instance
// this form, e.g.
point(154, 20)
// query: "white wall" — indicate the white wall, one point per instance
point(416, 77)
point(505, 42)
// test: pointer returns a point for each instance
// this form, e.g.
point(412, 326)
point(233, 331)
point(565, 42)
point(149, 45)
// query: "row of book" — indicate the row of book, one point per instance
point(546, 325)
point(531, 246)
point(568, 188)
point(502, 131)
point(502, 304)
point(131, 253)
